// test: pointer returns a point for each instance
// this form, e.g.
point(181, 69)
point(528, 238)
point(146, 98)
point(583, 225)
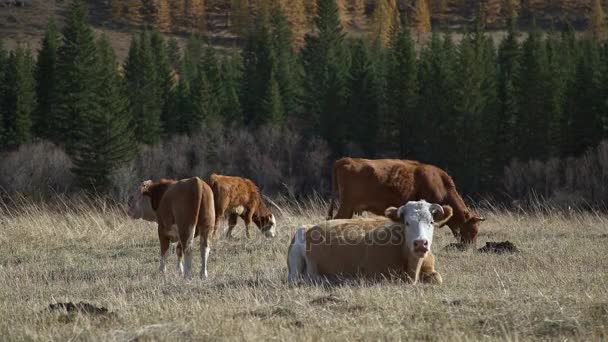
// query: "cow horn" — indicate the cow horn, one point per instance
point(436, 207)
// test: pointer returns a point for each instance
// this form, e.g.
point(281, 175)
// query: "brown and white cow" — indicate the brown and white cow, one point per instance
point(374, 185)
point(184, 209)
point(237, 196)
point(379, 247)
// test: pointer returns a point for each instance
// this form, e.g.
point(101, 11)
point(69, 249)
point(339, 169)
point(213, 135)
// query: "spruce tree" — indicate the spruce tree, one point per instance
point(46, 81)
point(174, 53)
point(288, 69)
point(507, 141)
point(585, 101)
point(402, 92)
point(326, 64)
point(364, 100)
point(164, 74)
point(107, 142)
point(534, 99)
point(145, 90)
point(230, 107)
point(271, 110)
point(259, 61)
point(3, 67)
point(20, 97)
point(475, 103)
point(203, 102)
point(437, 82)
point(77, 79)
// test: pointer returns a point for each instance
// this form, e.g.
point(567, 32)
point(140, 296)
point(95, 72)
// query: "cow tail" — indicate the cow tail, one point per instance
point(334, 191)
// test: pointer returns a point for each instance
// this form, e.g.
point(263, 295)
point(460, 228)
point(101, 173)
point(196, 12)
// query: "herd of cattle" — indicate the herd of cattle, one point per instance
point(409, 197)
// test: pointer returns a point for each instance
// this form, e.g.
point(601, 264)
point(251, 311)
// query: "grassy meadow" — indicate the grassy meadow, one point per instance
point(556, 289)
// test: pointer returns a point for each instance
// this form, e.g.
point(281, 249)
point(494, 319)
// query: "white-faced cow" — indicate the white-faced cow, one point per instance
point(236, 196)
point(184, 209)
point(399, 245)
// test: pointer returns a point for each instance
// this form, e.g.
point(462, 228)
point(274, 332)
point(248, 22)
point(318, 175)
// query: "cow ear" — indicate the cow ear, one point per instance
point(395, 214)
point(442, 218)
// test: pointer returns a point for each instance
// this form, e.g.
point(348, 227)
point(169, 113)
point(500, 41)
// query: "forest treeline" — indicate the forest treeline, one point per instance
point(469, 107)
point(371, 16)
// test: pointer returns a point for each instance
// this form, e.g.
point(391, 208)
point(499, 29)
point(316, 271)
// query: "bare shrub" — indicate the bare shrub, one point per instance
point(36, 170)
point(572, 182)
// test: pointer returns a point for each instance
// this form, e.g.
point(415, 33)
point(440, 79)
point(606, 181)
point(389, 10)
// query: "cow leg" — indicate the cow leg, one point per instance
point(186, 236)
point(180, 256)
point(205, 249)
point(232, 220)
point(248, 219)
point(428, 274)
point(413, 269)
point(164, 250)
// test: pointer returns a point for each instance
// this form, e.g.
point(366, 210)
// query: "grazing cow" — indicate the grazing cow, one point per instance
point(236, 196)
point(374, 185)
point(184, 209)
point(370, 247)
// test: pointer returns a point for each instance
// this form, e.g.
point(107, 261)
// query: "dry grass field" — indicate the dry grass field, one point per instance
point(556, 289)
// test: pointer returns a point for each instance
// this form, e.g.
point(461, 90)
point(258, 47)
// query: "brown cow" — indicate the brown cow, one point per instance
point(184, 209)
point(370, 247)
point(374, 185)
point(236, 197)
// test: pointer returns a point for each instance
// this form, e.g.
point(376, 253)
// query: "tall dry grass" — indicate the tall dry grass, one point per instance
point(81, 250)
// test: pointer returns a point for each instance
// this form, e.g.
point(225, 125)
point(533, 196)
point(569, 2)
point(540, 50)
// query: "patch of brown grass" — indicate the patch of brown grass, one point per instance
point(556, 289)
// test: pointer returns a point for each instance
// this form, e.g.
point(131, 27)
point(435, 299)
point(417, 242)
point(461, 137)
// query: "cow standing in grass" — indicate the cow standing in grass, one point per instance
point(184, 209)
point(399, 245)
point(374, 185)
point(240, 197)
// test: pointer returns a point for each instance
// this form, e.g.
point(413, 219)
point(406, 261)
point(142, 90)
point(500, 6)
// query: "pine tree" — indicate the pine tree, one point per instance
point(178, 12)
point(77, 79)
point(203, 103)
point(402, 88)
point(534, 99)
point(295, 12)
point(288, 69)
point(358, 13)
point(422, 17)
point(20, 97)
point(437, 81)
point(597, 27)
point(46, 81)
point(585, 101)
point(476, 95)
point(230, 107)
point(195, 10)
point(164, 73)
point(107, 142)
point(118, 10)
point(134, 12)
point(326, 64)
point(383, 23)
point(507, 141)
point(364, 100)
point(271, 111)
point(241, 21)
point(144, 90)
point(259, 60)
point(3, 67)
point(162, 16)
point(174, 53)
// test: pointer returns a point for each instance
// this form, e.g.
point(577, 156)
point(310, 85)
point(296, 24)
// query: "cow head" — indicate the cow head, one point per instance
point(140, 206)
point(267, 223)
point(420, 219)
point(469, 229)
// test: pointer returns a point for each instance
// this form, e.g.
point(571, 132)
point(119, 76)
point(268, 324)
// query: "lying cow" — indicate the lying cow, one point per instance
point(184, 209)
point(236, 196)
point(373, 247)
point(374, 185)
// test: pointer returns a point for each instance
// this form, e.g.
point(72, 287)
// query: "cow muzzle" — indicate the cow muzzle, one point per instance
point(421, 247)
